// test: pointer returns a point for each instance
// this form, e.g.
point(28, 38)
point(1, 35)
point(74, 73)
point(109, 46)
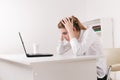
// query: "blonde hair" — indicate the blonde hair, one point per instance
point(76, 23)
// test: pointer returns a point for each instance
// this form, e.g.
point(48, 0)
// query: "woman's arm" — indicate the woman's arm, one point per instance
point(62, 48)
point(80, 47)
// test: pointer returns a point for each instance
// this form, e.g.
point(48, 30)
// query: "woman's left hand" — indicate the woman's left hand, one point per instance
point(68, 24)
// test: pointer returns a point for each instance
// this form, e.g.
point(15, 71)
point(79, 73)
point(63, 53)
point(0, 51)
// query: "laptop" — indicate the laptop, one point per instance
point(33, 55)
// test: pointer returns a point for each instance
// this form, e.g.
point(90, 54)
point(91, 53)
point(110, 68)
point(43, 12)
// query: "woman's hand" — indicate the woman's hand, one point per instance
point(68, 24)
point(69, 27)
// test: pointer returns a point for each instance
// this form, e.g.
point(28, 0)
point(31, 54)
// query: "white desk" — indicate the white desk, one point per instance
point(18, 67)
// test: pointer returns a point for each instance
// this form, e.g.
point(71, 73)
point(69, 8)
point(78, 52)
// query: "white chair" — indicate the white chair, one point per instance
point(113, 60)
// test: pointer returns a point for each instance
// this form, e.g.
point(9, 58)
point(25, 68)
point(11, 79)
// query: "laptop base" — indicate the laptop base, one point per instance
point(39, 55)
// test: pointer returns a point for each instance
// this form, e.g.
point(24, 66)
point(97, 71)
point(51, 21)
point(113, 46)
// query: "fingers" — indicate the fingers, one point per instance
point(66, 20)
point(62, 21)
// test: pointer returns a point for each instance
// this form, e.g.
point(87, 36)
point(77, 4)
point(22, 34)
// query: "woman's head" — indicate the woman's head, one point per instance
point(76, 24)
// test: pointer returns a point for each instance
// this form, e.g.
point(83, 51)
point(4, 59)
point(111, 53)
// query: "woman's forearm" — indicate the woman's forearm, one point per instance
point(71, 33)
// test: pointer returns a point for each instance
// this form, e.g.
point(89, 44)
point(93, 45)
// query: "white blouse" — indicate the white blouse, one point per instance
point(87, 44)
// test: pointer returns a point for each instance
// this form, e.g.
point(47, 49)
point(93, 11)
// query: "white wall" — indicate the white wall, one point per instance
point(106, 8)
point(36, 20)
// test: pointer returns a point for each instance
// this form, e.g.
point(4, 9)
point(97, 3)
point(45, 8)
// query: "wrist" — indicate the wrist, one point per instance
point(70, 30)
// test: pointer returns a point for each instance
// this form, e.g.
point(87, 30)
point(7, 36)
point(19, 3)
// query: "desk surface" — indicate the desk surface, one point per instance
point(22, 59)
point(62, 68)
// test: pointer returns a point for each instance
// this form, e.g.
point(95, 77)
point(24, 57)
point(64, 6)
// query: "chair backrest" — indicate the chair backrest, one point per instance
point(112, 56)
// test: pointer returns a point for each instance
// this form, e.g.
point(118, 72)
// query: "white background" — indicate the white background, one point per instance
point(37, 21)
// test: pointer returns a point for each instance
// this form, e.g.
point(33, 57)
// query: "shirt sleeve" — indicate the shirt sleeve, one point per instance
point(62, 47)
point(81, 47)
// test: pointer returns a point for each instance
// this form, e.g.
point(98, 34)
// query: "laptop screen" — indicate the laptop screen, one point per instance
point(22, 42)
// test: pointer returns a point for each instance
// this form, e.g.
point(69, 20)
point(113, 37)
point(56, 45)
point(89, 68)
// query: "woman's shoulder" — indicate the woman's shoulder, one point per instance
point(89, 30)
point(89, 33)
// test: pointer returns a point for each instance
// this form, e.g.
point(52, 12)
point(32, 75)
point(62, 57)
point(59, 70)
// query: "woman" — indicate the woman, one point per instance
point(81, 41)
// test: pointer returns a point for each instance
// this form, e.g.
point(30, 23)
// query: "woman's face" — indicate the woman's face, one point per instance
point(64, 34)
